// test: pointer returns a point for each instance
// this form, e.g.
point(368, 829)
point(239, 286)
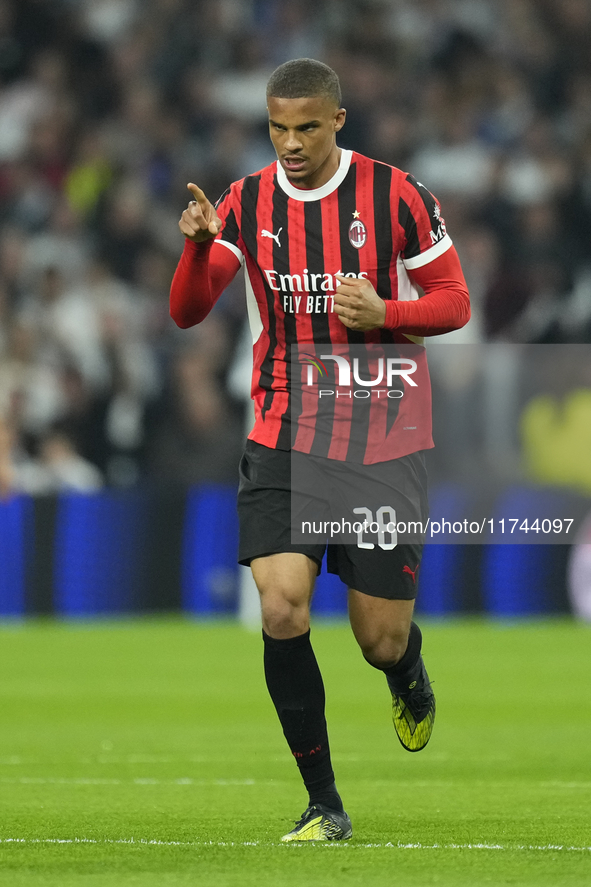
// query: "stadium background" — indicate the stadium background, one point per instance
point(126, 431)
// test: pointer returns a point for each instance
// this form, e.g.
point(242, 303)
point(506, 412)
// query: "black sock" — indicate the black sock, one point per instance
point(396, 674)
point(295, 685)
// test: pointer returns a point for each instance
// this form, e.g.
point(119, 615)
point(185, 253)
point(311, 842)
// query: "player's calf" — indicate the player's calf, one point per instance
point(413, 700)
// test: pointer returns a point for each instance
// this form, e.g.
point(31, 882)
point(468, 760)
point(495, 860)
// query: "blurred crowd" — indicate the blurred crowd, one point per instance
point(109, 107)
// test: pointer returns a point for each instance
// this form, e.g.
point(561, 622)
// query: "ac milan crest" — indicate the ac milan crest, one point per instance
point(357, 233)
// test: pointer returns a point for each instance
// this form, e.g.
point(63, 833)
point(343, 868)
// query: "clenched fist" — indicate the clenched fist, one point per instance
point(358, 305)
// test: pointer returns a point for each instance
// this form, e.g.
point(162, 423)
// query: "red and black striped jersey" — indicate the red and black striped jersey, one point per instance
point(369, 220)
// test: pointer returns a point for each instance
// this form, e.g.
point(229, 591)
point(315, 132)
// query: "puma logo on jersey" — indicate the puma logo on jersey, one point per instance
point(275, 237)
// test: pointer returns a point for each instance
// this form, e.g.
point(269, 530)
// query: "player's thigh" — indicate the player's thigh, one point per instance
point(382, 591)
point(286, 575)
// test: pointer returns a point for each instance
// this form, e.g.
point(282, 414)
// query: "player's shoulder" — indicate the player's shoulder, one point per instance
point(399, 177)
point(413, 187)
point(363, 162)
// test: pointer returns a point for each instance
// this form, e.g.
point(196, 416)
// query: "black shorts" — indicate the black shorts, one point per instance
point(265, 514)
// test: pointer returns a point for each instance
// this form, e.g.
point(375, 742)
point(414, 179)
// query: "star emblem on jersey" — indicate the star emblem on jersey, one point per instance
point(356, 214)
point(275, 237)
point(357, 233)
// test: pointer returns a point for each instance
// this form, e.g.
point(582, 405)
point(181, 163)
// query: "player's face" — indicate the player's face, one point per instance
point(303, 132)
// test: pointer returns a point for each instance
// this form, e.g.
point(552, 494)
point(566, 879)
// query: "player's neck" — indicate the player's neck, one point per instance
point(320, 176)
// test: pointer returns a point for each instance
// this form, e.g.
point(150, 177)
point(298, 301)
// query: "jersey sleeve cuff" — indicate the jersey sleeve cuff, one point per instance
point(391, 321)
point(232, 247)
point(429, 255)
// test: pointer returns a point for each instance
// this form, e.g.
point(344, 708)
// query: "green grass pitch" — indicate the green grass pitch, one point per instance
point(148, 753)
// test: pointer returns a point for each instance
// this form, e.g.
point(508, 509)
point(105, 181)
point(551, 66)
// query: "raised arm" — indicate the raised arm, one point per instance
point(202, 273)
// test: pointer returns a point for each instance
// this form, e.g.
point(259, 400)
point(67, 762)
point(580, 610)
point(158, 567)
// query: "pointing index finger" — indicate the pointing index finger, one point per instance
point(197, 193)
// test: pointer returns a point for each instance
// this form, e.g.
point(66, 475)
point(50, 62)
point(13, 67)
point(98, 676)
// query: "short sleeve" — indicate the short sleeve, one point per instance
point(229, 210)
point(425, 236)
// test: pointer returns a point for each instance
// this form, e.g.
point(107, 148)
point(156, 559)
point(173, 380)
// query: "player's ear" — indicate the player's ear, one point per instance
point(339, 119)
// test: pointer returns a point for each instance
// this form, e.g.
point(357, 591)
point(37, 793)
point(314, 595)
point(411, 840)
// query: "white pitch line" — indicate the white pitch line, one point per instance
point(58, 780)
point(388, 845)
point(187, 780)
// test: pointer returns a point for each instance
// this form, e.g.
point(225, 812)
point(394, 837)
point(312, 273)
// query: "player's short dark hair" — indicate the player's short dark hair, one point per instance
point(304, 78)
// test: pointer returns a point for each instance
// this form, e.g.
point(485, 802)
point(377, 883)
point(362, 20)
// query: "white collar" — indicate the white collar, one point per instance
point(307, 194)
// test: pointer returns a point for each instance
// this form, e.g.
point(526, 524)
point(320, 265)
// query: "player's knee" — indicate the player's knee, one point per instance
point(382, 651)
point(285, 623)
point(284, 615)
